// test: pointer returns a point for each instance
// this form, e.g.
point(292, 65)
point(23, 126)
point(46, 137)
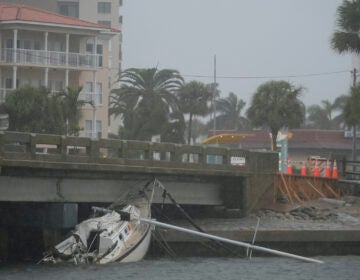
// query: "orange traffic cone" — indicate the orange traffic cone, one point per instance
point(289, 168)
point(303, 168)
point(327, 170)
point(316, 169)
point(335, 174)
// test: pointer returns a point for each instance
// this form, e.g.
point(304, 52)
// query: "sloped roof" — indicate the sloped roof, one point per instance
point(300, 139)
point(9, 12)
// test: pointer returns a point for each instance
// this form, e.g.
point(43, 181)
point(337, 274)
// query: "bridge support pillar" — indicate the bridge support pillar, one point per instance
point(233, 194)
point(4, 236)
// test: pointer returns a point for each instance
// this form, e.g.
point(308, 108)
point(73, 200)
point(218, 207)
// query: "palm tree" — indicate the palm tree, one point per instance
point(145, 100)
point(276, 105)
point(72, 109)
point(338, 106)
point(321, 116)
point(346, 40)
point(194, 98)
point(352, 107)
point(230, 113)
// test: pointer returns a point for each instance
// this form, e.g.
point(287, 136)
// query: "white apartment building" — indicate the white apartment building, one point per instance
point(104, 12)
point(41, 48)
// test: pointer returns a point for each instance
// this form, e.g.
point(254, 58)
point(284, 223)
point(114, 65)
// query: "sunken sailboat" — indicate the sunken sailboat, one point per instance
point(112, 234)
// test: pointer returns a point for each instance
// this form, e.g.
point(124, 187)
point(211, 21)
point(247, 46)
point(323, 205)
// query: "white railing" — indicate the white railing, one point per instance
point(51, 58)
point(95, 98)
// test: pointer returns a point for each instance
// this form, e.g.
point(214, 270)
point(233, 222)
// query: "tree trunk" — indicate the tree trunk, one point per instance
point(190, 127)
point(274, 133)
point(354, 143)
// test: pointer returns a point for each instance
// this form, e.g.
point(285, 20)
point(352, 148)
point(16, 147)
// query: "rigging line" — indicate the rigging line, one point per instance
point(190, 220)
point(270, 76)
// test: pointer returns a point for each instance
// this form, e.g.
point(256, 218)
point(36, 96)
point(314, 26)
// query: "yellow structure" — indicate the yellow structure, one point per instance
point(227, 138)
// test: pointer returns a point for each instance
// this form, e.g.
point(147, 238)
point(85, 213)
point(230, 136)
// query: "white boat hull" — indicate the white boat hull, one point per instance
point(140, 251)
point(109, 238)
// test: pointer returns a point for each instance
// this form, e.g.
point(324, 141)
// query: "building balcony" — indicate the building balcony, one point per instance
point(50, 58)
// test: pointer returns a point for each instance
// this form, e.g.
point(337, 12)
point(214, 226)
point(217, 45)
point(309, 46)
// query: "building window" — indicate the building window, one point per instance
point(56, 46)
point(9, 81)
point(70, 9)
point(104, 7)
point(56, 86)
point(104, 22)
point(89, 129)
point(9, 43)
point(91, 95)
point(98, 129)
point(89, 48)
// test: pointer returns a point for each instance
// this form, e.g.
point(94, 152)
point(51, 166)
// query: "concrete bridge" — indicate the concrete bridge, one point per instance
point(52, 168)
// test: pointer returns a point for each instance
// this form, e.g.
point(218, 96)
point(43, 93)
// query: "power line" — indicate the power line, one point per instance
point(269, 77)
point(58, 59)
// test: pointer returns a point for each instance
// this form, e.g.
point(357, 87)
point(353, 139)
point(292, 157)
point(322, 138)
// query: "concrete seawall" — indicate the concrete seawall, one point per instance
point(300, 237)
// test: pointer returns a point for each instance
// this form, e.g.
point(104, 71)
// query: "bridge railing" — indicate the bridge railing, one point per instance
point(351, 169)
point(68, 149)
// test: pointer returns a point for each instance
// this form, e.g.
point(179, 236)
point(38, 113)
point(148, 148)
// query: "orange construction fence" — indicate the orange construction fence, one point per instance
point(316, 167)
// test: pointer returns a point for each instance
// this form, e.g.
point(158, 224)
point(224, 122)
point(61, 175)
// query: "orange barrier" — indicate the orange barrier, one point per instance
point(316, 169)
point(303, 168)
point(335, 174)
point(327, 170)
point(289, 168)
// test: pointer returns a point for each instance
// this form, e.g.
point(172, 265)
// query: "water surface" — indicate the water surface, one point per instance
point(341, 268)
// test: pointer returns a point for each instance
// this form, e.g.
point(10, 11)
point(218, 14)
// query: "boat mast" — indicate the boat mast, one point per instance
point(234, 242)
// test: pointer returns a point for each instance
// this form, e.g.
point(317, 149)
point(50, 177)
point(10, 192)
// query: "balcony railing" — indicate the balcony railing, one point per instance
point(51, 58)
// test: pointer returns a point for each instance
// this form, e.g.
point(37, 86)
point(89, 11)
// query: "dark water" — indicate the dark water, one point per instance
point(341, 268)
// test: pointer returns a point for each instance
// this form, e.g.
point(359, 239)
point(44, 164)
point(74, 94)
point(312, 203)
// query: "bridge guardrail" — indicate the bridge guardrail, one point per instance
point(351, 170)
point(70, 149)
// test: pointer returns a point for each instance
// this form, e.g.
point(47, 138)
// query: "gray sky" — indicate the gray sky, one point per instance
point(248, 37)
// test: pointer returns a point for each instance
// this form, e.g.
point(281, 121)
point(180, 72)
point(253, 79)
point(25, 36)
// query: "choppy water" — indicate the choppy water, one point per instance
point(341, 268)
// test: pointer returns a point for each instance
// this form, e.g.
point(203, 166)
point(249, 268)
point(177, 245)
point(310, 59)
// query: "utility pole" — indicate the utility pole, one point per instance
point(214, 95)
point(354, 72)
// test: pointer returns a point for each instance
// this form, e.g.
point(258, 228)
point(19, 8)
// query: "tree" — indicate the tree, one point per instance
point(275, 105)
point(72, 109)
point(321, 116)
point(338, 106)
point(37, 110)
point(346, 40)
point(198, 129)
point(230, 113)
point(194, 98)
point(34, 110)
point(173, 131)
point(352, 107)
point(145, 100)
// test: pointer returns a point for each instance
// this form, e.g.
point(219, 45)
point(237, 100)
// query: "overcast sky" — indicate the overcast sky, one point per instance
point(250, 38)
